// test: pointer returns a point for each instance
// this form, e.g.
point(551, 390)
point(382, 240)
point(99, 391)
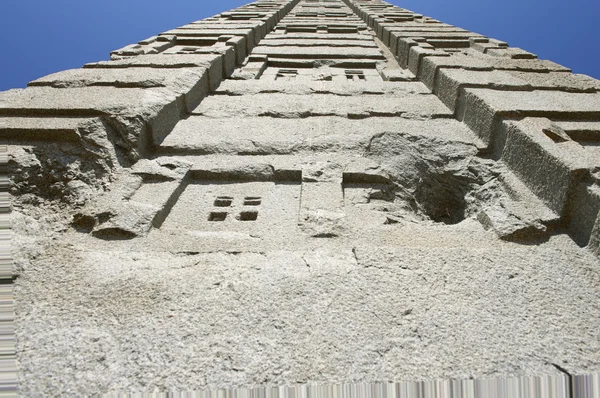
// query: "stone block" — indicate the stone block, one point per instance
point(482, 44)
point(393, 32)
point(583, 211)
point(551, 170)
point(516, 213)
point(233, 87)
point(322, 210)
point(312, 42)
point(262, 135)
point(562, 81)
point(239, 44)
point(127, 78)
point(132, 109)
point(253, 69)
point(481, 109)
point(160, 61)
point(450, 82)
point(432, 34)
point(229, 63)
point(247, 34)
point(314, 62)
point(221, 25)
point(430, 66)
point(401, 51)
point(586, 133)
point(316, 37)
point(510, 52)
point(302, 106)
point(190, 82)
point(418, 53)
point(15, 129)
point(397, 75)
point(82, 101)
point(526, 65)
point(136, 203)
point(320, 52)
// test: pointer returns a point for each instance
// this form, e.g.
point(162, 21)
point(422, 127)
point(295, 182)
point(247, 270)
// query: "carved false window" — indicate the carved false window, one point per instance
point(286, 74)
point(355, 75)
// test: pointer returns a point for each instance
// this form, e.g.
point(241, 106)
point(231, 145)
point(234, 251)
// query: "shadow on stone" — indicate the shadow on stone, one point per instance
point(441, 197)
point(113, 234)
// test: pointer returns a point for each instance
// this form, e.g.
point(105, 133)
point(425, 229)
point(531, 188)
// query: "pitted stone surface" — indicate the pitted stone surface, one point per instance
point(304, 192)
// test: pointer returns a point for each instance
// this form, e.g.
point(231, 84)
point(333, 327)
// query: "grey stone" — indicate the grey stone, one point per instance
point(431, 65)
point(513, 53)
point(319, 217)
point(193, 83)
point(159, 61)
point(132, 78)
point(480, 107)
point(318, 36)
point(128, 108)
point(312, 43)
point(513, 211)
point(234, 88)
point(450, 82)
point(559, 81)
point(550, 169)
point(300, 106)
point(45, 128)
point(583, 210)
point(263, 135)
point(319, 52)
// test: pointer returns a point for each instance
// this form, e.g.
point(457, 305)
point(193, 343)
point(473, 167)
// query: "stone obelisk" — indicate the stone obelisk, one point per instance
point(301, 192)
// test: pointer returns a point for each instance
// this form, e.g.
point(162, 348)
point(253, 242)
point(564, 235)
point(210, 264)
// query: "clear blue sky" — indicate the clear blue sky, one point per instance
point(46, 36)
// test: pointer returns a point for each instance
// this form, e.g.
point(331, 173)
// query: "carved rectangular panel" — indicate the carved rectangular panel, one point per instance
point(247, 207)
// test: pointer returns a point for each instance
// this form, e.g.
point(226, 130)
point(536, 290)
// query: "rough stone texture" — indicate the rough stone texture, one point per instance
point(304, 192)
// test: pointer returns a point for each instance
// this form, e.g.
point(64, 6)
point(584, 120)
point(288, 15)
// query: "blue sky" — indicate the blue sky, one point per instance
point(46, 36)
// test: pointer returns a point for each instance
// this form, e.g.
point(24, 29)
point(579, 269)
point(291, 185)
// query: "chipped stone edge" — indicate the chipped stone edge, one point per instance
point(411, 52)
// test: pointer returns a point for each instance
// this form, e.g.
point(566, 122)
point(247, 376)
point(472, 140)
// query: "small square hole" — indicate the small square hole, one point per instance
point(223, 201)
point(217, 216)
point(248, 216)
point(286, 74)
point(355, 75)
point(252, 201)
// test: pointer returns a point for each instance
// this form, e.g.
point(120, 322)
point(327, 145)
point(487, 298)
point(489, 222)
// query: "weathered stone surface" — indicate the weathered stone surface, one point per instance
point(316, 62)
point(82, 101)
point(159, 61)
point(312, 43)
point(319, 52)
point(318, 36)
point(318, 217)
point(141, 116)
point(583, 210)
point(132, 78)
point(481, 107)
point(513, 211)
point(549, 168)
point(304, 87)
point(560, 81)
point(449, 83)
point(302, 106)
point(264, 135)
point(513, 53)
point(431, 65)
point(41, 128)
point(193, 83)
